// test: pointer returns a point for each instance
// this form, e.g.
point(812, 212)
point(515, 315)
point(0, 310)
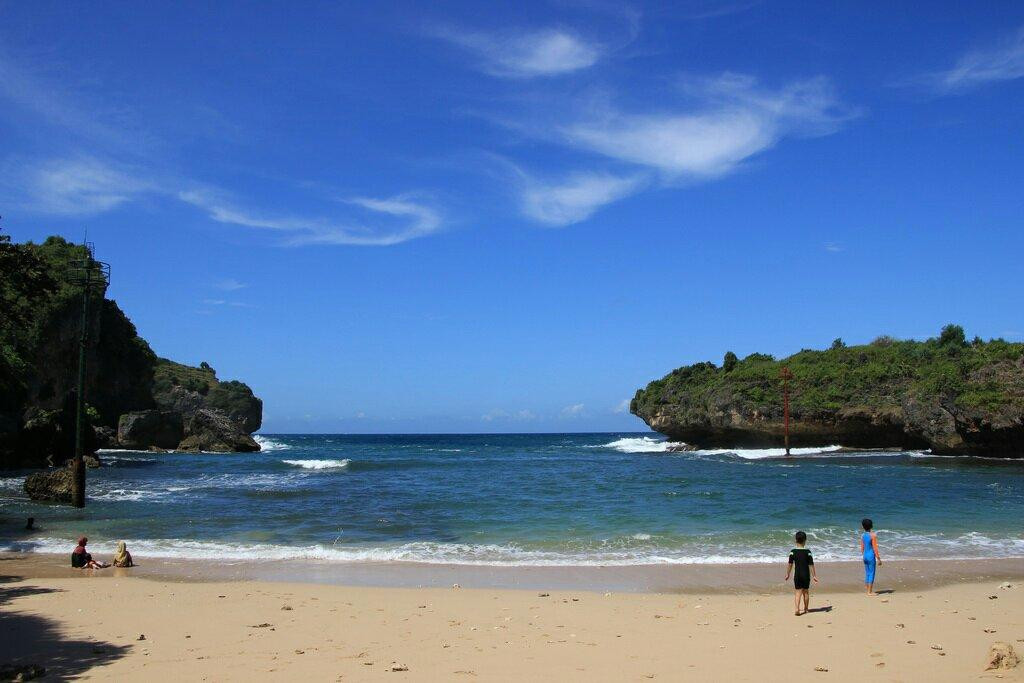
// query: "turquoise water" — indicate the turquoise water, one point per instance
point(562, 499)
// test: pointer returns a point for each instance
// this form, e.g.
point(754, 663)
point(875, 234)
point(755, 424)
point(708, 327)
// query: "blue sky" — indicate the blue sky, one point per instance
point(401, 217)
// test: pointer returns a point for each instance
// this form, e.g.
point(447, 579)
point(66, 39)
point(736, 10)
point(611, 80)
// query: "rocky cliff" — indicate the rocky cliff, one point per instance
point(945, 394)
point(126, 382)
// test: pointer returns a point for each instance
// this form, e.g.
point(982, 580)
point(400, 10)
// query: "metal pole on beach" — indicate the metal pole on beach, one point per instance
point(89, 274)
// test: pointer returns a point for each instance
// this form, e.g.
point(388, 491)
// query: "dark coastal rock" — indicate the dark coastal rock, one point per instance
point(92, 461)
point(942, 394)
point(680, 448)
point(38, 366)
point(212, 430)
point(187, 389)
point(144, 428)
point(106, 437)
point(53, 485)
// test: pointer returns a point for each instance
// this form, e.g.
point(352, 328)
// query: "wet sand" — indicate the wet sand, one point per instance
point(237, 622)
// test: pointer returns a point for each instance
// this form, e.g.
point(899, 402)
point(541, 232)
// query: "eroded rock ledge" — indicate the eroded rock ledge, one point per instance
point(944, 394)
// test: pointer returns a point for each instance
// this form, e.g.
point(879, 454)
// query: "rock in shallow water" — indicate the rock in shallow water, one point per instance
point(52, 485)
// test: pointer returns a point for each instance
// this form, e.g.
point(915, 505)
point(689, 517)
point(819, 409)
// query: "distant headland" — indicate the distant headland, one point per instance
point(947, 394)
point(134, 398)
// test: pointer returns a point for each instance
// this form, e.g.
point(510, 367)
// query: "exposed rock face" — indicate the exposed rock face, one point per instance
point(144, 428)
point(953, 398)
point(106, 437)
point(39, 348)
point(54, 485)
point(212, 430)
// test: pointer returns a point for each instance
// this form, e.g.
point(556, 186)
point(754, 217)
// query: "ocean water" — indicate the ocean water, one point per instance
point(553, 499)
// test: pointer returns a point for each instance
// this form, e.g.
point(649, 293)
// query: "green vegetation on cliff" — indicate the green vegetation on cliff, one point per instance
point(979, 385)
point(40, 324)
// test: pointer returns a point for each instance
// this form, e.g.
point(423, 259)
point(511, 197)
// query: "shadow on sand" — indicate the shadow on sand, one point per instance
point(28, 639)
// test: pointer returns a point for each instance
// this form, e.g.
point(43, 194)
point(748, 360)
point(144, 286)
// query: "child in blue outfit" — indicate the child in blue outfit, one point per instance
point(869, 550)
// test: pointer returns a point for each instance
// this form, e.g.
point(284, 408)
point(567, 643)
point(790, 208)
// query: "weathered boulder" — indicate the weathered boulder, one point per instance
point(106, 437)
point(144, 428)
point(52, 485)
point(212, 430)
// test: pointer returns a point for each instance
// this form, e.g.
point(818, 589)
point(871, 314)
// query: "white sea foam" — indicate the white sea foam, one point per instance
point(269, 444)
point(643, 444)
point(319, 464)
point(761, 453)
point(827, 547)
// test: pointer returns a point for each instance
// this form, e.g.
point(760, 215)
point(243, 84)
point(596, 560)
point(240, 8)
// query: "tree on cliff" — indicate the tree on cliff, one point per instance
point(730, 361)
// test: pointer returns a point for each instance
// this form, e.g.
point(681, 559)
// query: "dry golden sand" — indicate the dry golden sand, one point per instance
point(246, 630)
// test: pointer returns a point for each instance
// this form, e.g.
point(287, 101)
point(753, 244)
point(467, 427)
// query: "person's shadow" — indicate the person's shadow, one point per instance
point(826, 608)
point(887, 591)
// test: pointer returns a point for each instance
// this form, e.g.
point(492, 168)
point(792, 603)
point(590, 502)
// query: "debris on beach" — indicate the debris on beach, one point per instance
point(823, 669)
point(1001, 656)
point(399, 667)
point(142, 636)
point(286, 608)
point(1006, 586)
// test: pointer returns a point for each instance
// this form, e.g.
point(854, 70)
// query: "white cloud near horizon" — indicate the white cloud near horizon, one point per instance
point(731, 120)
point(622, 407)
point(526, 54)
point(1002, 62)
point(574, 410)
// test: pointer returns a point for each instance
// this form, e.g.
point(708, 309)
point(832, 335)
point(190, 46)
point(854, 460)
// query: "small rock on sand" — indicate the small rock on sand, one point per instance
point(823, 669)
point(399, 667)
point(1006, 586)
point(286, 608)
point(142, 636)
point(1001, 656)
point(936, 647)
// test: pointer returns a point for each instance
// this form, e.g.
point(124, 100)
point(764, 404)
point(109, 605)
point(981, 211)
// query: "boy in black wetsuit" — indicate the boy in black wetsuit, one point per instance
point(801, 566)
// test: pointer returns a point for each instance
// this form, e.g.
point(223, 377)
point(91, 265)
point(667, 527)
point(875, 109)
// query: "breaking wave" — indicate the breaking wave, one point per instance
point(643, 444)
point(267, 444)
point(636, 550)
point(319, 464)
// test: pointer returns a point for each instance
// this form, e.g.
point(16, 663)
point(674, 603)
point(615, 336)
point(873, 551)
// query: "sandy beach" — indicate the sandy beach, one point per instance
point(933, 621)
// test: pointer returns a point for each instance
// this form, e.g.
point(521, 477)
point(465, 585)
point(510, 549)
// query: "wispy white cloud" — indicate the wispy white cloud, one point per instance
point(503, 415)
point(575, 198)
point(728, 120)
point(76, 186)
point(526, 54)
point(392, 220)
point(225, 302)
point(833, 247)
point(229, 284)
point(574, 410)
point(50, 100)
point(1001, 62)
point(622, 407)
